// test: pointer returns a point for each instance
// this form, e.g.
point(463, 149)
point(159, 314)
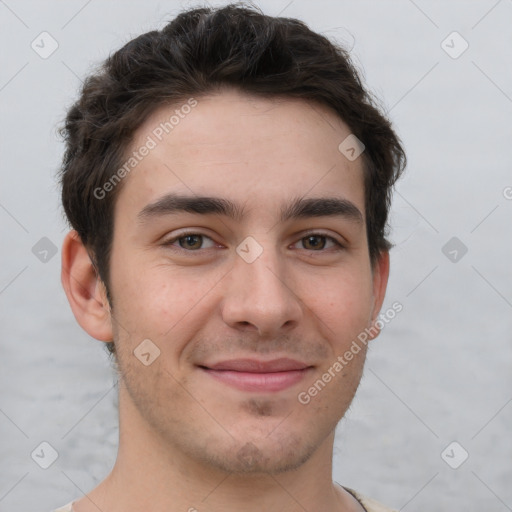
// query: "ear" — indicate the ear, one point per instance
point(84, 289)
point(380, 273)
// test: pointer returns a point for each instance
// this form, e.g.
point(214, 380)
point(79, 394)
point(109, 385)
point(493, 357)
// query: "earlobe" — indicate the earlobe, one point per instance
point(380, 283)
point(84, 289)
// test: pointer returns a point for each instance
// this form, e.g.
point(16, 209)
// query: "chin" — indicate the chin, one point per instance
point(260, 457)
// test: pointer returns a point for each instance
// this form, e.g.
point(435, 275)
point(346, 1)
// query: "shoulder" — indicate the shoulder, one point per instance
point(369, 504)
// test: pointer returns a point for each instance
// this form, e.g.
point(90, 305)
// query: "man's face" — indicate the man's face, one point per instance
point(249, 305)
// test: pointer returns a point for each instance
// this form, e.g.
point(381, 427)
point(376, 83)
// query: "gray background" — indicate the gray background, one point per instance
point(440, 371)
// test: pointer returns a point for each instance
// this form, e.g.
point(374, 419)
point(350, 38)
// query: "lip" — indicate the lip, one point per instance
point(258, 376)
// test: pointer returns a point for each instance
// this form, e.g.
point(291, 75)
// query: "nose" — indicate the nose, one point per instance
point(259, 297)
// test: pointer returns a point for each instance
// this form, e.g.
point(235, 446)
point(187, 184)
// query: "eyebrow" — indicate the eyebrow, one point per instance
point(299, 208)
point(322, 207)
point(174, 203)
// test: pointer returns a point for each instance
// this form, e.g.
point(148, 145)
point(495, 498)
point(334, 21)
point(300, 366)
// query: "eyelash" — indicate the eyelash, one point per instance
point(169, 243)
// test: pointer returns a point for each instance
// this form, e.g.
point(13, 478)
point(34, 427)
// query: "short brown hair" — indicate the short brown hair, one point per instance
point(198, 52)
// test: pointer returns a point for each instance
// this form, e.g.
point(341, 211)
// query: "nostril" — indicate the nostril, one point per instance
point(245, 325)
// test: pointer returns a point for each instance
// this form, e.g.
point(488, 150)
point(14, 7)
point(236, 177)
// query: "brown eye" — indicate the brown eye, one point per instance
point(314, 242)
point(318, 242)
point(192, 242)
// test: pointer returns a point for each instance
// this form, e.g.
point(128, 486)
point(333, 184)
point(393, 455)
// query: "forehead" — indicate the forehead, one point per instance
point(256, 151)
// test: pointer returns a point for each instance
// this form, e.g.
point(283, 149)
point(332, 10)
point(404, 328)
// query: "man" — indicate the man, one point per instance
point(228, 182)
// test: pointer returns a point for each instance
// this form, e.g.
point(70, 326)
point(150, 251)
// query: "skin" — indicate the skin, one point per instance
point(188, 441)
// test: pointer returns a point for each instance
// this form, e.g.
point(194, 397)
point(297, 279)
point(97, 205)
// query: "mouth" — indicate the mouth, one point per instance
point(258, 376)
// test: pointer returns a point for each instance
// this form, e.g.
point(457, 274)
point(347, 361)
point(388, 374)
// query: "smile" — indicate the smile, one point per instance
point(258, 376)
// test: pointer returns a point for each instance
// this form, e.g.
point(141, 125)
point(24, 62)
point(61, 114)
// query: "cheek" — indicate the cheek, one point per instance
point(161, 303)
point(342, 303)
